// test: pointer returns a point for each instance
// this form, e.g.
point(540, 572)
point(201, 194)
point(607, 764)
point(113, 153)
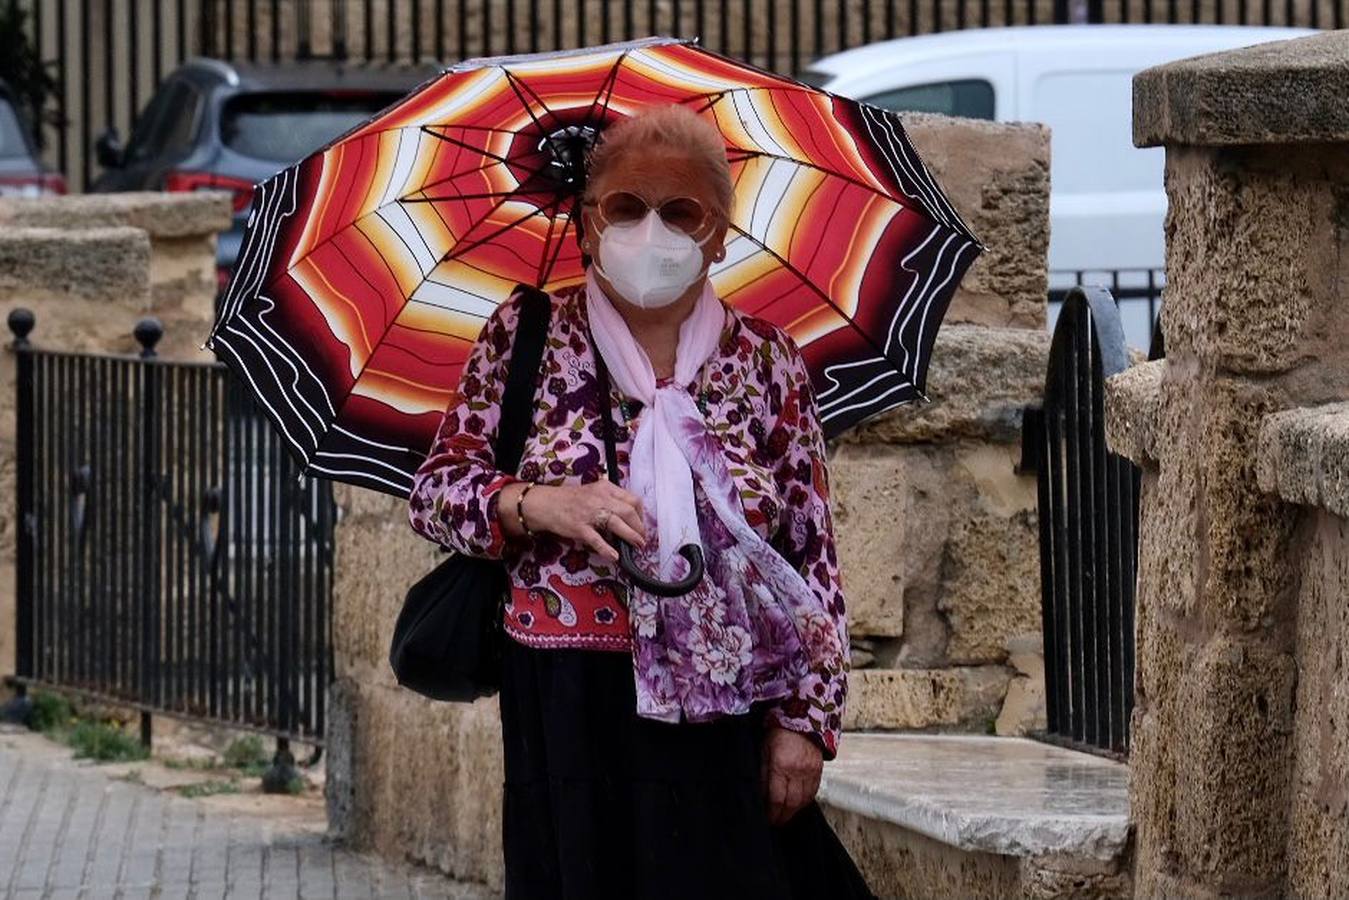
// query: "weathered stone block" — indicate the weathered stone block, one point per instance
point(1057, 875)
point(1280, 92)
point(892, 513)
point(979, 381)
point(1246, 535)
point(417, 780)
point(1249, 287)
point(1131, 399)
point(1023, 709)
point(1234, 720)
point(991, 582)
point(997, 177)
point(1318, 838)
point(158, 214)
point(1304, 456)
point(937, 545)
point(84, 264)
point(377, 558)
point(962, 696)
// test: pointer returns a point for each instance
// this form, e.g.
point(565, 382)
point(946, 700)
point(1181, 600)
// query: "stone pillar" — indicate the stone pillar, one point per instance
point(1257, 175)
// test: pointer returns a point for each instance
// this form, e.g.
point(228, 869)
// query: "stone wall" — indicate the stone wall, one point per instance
point(937, 538)
point(1303, 457)
point(89, 267)
point(1238, 730)
point(173, 278)
point(936, 530)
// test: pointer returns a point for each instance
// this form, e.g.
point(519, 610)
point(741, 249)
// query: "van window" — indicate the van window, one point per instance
point(971, 98)
point(1090, 116)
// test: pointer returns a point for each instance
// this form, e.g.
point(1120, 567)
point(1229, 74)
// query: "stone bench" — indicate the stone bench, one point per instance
point(969, 816)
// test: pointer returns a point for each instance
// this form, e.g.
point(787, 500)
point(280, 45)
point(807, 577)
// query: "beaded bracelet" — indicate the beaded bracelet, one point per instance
point(520, 510)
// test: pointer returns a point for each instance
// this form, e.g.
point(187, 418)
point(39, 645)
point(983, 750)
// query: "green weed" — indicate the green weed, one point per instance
point(103, 742)
point(210, 788)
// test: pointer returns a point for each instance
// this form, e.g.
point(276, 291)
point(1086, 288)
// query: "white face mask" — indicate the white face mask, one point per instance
point(648, 263)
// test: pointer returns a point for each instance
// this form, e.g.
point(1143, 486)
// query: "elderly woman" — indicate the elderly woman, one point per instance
point(656, 746)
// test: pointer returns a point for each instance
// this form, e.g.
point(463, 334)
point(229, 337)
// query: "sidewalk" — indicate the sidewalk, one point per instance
point(69, 829)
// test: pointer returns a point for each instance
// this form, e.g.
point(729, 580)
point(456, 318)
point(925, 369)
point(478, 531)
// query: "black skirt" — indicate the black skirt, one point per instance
point(601, 803)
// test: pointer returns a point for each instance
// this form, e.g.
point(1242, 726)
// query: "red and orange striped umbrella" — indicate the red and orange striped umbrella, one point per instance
point(368, 269)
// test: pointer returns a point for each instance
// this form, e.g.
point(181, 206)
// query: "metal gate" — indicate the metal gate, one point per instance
point(170, 557)
point(1088, 508)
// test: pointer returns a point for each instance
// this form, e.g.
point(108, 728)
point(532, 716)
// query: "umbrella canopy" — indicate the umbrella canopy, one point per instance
point(368, 269)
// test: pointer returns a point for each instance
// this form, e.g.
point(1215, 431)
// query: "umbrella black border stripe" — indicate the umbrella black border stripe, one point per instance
point(928, 298)
point(930, 292)
point(827, 399)
point(253, 260)
point(838, 421)
point(925, 337)
point(919, 170)
point(918, 188)
point(265, 400)
point(253, 375)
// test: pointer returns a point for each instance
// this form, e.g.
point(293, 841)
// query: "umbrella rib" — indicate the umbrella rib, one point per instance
point(516, 85)
point(557, 251)
point(823, 296)
point(491, 195)
point(547, 243)
point(529, 174)
point(915, 205)
point(607, 91)
point(458, 143)
point(715, 97)
point(458, 251)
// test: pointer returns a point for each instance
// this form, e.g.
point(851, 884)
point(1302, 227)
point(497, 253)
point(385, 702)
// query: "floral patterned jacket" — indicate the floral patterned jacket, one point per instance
point(755, 393)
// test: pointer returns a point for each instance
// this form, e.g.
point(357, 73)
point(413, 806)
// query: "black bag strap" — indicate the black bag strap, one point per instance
point(606, 412)
point(517, 401)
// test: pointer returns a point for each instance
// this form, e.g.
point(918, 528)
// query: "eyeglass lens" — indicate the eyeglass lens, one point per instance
point(624, 207)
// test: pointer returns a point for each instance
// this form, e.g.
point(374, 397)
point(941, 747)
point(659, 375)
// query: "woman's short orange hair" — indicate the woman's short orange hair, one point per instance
point(674, 128)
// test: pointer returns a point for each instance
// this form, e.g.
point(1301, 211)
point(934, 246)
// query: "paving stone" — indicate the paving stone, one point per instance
point(70, 830)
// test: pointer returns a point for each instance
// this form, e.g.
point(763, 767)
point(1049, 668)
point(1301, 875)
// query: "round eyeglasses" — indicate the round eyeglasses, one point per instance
point(626, 208)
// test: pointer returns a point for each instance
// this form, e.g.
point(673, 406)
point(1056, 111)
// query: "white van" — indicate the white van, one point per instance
point(1106, 198)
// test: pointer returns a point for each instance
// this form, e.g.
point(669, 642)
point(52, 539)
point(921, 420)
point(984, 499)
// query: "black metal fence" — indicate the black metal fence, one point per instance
point(169, 557)
point(1088, 509)
point(1137, 292)
point(109, 55)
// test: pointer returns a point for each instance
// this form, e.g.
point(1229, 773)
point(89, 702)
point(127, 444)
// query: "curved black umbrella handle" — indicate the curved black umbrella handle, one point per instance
point(652, 585)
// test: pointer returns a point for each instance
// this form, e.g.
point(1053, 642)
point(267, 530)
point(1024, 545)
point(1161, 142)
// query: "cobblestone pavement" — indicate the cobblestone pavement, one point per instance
point(70, 829)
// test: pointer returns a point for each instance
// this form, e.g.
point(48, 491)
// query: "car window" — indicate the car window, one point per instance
point(179, 125)
point(168, 125)
point(12, 141)
point(1090, 116)
point(970, 97)
point(284, 127)
point(814, 77)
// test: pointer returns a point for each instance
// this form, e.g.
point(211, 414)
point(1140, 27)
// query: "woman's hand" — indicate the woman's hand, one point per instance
point(791, 768)
point(575, 512)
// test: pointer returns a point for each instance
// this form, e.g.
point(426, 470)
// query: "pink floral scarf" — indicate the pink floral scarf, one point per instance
point(752, 627)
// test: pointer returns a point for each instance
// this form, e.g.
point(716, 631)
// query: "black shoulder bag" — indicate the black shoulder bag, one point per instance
point(448, 640)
